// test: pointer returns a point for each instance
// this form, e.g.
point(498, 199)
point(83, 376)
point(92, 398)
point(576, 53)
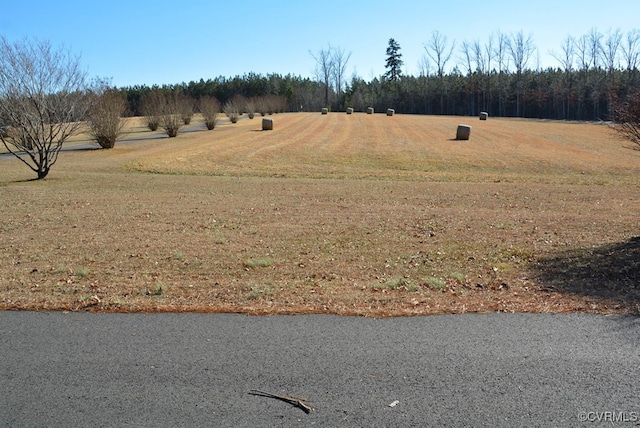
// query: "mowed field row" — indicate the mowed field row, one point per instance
point(347, 214)
point(401, 147)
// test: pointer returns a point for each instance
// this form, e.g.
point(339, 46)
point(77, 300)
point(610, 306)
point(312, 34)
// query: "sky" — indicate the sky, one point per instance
point(141, 42)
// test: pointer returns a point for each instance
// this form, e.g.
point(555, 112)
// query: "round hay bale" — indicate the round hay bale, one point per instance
point(325, 110)
point(267, 124)
point(484, 115)
point(390, 112)
point(463, 132)
point(369, 110)
point(349, 110)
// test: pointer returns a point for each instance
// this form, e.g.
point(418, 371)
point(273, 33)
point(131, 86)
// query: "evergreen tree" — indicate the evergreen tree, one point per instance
point(394, 61)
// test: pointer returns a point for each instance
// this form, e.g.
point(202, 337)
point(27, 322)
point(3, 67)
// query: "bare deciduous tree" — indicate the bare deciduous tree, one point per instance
point(566, 58)
point(595, 81)
point(482, 56)
point(324, 69)
point(520, 48)
point(626, 118)
point(440, 52)
point(43, 101)
point(582, 53)
point(594, 47)
point(503, 69)
point(610, 54)
point(105, 117)
point(610, 50)
point(489, 56)
point(472, 76)
point(467, 56)
point(479, 56)
point(340, 60)
point(630, 50)
point(424, 66)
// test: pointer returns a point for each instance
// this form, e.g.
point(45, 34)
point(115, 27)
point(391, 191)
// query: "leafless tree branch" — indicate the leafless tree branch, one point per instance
point(44, 99)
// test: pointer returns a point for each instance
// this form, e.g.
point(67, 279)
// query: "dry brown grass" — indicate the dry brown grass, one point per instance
point(346, 214)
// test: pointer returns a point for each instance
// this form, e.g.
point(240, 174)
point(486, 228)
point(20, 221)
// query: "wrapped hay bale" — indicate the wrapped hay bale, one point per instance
point(349, 110)
point(325, 110)
point(463, 132)
point(267, 124)
point(390, 112)
point(369, 110)
point(484, 115)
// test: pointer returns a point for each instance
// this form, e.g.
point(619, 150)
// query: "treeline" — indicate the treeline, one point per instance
point(544, 94)
point(299, 93)
point(594, 73)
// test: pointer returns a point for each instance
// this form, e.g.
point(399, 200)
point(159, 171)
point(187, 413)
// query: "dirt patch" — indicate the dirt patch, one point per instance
point(348, 214)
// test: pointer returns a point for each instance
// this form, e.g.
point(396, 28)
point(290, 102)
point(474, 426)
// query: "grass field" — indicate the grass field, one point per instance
point(347, 214)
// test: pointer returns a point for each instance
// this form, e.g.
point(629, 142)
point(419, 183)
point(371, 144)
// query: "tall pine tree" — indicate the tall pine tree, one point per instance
point(394, 61)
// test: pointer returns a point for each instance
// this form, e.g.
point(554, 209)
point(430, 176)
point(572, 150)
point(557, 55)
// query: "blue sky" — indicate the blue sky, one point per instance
point(163, 42)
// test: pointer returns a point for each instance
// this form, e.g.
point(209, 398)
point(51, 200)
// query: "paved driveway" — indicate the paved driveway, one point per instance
point(90, 370)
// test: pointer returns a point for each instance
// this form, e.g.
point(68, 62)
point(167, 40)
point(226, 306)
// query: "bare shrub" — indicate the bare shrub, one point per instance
point(171, 118)
point(171, 123)
point(232, 110)
point(241, 103)
point(186, 109)
point(150, 106)
point(153, 122)
point(164, 109)
point(250, 107)
point(105, 118)
point(261, 105)
point(269, 104)
point(277, 103)
point(210, 109)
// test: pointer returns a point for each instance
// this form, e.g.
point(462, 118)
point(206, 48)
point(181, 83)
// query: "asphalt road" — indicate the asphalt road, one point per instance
point(92, 370)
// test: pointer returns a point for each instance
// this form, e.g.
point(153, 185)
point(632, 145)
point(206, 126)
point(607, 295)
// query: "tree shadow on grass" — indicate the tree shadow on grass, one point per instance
point(610, 273)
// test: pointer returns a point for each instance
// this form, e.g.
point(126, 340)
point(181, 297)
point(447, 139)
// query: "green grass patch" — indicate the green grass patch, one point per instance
point(259, 290)
point(435, 283)
point(83, 272)
point(460, 277)
point(158, 290)
point(257, 263)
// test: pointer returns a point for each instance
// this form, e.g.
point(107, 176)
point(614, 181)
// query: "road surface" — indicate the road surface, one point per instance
point(190, 370)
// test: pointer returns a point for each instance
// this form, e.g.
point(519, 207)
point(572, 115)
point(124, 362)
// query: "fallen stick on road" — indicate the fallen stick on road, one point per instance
point(296, 401)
